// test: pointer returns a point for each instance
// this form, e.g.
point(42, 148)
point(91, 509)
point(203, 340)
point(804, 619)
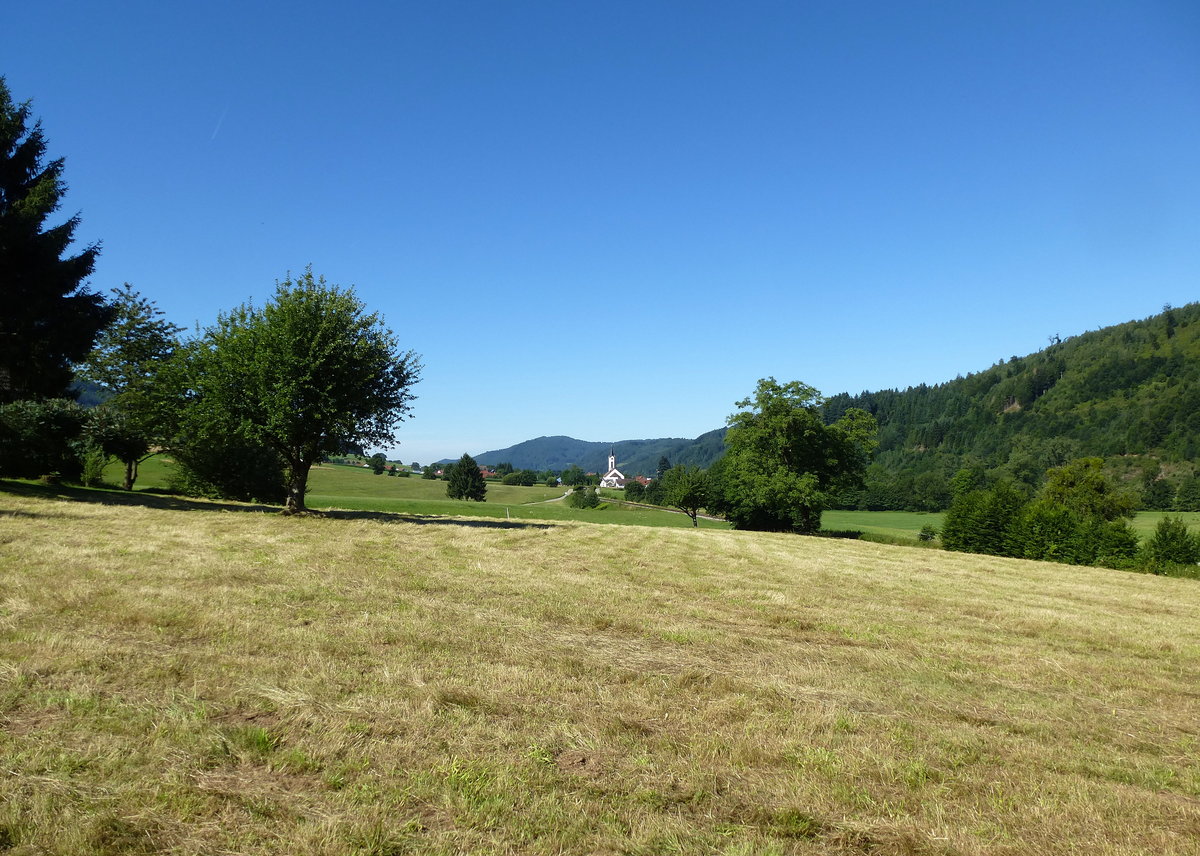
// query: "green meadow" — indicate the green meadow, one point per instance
point(190, 677)
point(358, 489)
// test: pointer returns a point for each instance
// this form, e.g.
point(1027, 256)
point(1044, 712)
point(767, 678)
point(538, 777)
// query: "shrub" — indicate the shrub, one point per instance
point(1172, 544)
point(584, 497)
point(41, 437)
point(93, 460)
point(927, 533)
point(228, 468)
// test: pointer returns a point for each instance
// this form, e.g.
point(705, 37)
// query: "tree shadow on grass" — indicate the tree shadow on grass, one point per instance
point(423, 520)
point(112, 496)
point(168, 502)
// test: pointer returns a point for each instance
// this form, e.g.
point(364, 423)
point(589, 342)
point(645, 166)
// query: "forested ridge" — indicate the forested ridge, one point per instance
point(633, 456)
point(1129, 393)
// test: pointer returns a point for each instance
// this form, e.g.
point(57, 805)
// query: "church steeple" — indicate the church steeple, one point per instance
point(613, 478)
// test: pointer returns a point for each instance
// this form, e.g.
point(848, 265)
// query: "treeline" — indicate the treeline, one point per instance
point(1129, 394)
point(1079, 516)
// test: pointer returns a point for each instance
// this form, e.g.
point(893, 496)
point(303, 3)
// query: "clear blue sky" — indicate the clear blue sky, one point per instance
point(608, 220)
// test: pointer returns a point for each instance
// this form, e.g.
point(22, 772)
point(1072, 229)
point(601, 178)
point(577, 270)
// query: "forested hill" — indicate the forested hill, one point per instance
point(1128, 390)
point(633, 456)
point(1129, 393)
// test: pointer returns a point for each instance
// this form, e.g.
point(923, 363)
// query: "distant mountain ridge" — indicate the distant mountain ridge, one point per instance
point(633, 456)
point(1129, 393)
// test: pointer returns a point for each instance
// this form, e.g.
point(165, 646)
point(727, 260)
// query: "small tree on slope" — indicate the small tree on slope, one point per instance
point(465, 481)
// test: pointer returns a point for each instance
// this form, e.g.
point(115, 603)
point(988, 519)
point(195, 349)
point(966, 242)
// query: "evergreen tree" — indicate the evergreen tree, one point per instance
point(1173, 544)
point(983, 521)
point(1188, 496)
point(664, 464)
point(465, 481)
point(50, 318)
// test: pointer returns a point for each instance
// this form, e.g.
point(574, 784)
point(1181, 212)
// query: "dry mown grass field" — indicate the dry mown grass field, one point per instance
point(210, 682)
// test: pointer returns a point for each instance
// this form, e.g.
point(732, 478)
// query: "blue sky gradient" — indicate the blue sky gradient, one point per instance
point(609, 220)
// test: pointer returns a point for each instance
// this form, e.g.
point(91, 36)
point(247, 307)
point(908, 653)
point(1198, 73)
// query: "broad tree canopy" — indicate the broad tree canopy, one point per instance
point(782, 462)
point(305, 375)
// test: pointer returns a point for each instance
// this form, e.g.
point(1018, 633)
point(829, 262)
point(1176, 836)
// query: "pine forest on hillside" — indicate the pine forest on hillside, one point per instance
point(1129, 393)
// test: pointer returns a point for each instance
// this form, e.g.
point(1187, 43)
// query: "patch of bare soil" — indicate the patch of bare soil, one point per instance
point(590, 765)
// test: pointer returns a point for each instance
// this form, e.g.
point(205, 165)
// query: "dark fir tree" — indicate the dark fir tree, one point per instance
point(465, 481)
point(664, 464)
point(50, 318)
point(1172, 544)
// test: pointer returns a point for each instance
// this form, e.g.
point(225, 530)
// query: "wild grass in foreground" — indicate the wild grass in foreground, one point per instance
point(236, 682)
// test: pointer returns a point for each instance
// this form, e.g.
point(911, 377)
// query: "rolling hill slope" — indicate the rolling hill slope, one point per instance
point(1129, 393)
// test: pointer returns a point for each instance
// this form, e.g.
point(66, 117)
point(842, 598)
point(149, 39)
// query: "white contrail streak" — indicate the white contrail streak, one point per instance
point(217, 129)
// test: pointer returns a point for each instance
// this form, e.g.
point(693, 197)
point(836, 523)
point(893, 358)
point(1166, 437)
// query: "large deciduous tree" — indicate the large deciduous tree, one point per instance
point(783, 463)
point(305, 375)
point(50, 319)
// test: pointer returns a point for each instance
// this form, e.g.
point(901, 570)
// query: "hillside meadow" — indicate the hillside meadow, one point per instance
point(350, 488)
point(197, 678)
point(358, 489)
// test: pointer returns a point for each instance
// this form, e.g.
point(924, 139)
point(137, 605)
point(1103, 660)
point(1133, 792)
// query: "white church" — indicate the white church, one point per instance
point(614, 477)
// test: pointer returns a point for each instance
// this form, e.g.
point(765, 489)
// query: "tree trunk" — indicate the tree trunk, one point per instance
point(131, 469)
point(297, 485)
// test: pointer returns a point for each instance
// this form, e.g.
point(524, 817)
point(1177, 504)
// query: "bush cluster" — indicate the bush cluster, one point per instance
point(584, 496)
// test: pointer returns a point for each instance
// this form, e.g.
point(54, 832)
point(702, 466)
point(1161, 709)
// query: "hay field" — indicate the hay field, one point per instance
point(203, 679)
